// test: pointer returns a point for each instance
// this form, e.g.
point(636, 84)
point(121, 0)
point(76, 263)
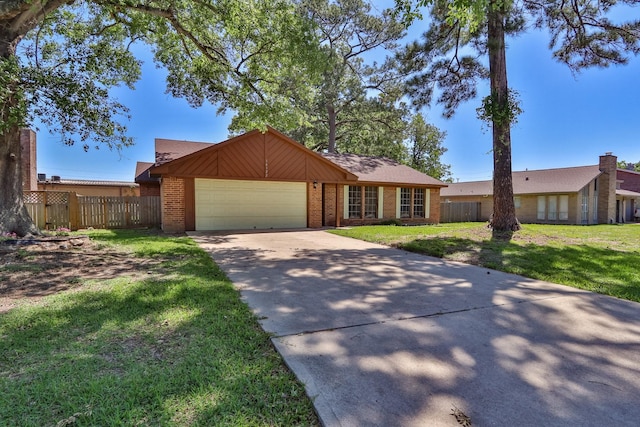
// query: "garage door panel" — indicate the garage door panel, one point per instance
point(228, 204)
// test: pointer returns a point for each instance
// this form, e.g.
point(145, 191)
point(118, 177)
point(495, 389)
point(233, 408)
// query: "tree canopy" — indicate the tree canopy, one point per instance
point(59, 59)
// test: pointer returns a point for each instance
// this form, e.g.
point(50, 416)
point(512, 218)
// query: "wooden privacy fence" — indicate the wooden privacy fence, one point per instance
point(51, 210)
point(460, 212)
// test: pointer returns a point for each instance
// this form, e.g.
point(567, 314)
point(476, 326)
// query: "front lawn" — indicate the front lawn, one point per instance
point(601, 258)
point(168, 344)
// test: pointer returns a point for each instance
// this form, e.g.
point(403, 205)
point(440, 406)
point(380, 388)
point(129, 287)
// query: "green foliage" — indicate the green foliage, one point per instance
point(492, 112)
point(425, 144)
point(629, 165)
point(248, 56)
point(68, 64)
point(13, 115)
point(355, 100)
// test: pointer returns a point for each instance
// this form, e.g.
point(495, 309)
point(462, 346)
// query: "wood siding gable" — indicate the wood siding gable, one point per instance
point(256, 155)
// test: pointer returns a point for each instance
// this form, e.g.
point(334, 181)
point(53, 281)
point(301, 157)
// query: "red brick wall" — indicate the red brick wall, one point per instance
point(389, 202)
point(149, 189)
point(330, 204)
point(314, 205)
point(173, 205)
point(630, 180)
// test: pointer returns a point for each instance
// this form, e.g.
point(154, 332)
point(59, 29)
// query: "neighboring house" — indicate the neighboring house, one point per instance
point(628, 194)
point(574, 195)
point(85, 187)
point(267, 180)
point(33, 181)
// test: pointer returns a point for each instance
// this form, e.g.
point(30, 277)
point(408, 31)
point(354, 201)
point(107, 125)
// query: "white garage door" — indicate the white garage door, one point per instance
point(241, 205)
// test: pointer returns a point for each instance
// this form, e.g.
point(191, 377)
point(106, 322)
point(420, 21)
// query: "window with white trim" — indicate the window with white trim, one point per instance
point(370, 202)
point(363, 202)
point(355, 202)
point(405, 203)
point(418, 203)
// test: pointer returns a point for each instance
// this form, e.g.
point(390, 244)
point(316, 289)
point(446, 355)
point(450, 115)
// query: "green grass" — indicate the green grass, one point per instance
point(180, 350)
point(602, 258)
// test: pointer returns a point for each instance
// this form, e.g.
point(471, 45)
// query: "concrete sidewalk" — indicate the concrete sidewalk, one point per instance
point(382, 337)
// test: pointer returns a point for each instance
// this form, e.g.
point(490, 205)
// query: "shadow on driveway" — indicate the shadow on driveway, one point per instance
point(382, 337)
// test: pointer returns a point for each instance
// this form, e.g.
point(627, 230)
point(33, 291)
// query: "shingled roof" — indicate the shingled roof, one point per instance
point(382, 170)
point(366, 168)
point(560, 180)
point(170, 149)
point(142, 172)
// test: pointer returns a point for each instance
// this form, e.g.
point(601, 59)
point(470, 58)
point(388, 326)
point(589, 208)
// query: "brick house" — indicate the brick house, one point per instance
point(267, 180)
point(574, 195)
point(628, 194)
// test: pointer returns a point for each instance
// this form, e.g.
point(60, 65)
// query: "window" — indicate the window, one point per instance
point(418, 203)
point(563, 211)
point(585, 205)
point(371, 202)
point(542, 205)
point(517, 202)
point(405, 203)
point(553, 207)
point(361, 202)
point(355, 202)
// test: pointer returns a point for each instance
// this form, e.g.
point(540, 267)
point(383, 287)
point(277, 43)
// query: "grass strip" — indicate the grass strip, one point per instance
point(599, 258)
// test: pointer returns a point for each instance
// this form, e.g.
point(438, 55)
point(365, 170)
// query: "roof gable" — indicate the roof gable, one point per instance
point(253, 155)
point(382, 170)
point(560, 180)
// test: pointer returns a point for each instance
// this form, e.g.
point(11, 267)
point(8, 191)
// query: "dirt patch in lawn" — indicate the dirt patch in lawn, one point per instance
point(32, 270)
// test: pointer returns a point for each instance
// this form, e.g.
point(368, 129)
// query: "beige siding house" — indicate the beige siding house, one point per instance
point(574, 195)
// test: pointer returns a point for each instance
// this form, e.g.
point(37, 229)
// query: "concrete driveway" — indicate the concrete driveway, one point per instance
point(382, 337)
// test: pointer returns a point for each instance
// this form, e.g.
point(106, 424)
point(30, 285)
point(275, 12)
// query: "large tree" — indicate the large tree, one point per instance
point(60, 58)
point(462, 34)
point(348, 101)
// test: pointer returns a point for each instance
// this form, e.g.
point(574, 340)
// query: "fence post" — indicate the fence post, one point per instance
point(45, 203)
point(74, 210)
point(127, 212)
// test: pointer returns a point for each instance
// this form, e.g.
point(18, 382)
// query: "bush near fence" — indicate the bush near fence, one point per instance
point(51, 210)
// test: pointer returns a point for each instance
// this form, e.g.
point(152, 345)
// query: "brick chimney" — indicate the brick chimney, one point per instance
point(29, 163)
point(607, 188)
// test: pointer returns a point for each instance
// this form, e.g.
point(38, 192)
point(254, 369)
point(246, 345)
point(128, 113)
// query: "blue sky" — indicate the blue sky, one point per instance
point(568, 120)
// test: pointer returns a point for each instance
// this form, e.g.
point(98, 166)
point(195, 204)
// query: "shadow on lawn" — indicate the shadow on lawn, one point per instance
point(603, 270)
point(181, 350)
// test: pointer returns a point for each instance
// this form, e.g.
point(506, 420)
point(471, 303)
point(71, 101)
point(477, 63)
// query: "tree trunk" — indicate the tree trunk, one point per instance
point(14, 217)
point(504, 211)
point(331, 113)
